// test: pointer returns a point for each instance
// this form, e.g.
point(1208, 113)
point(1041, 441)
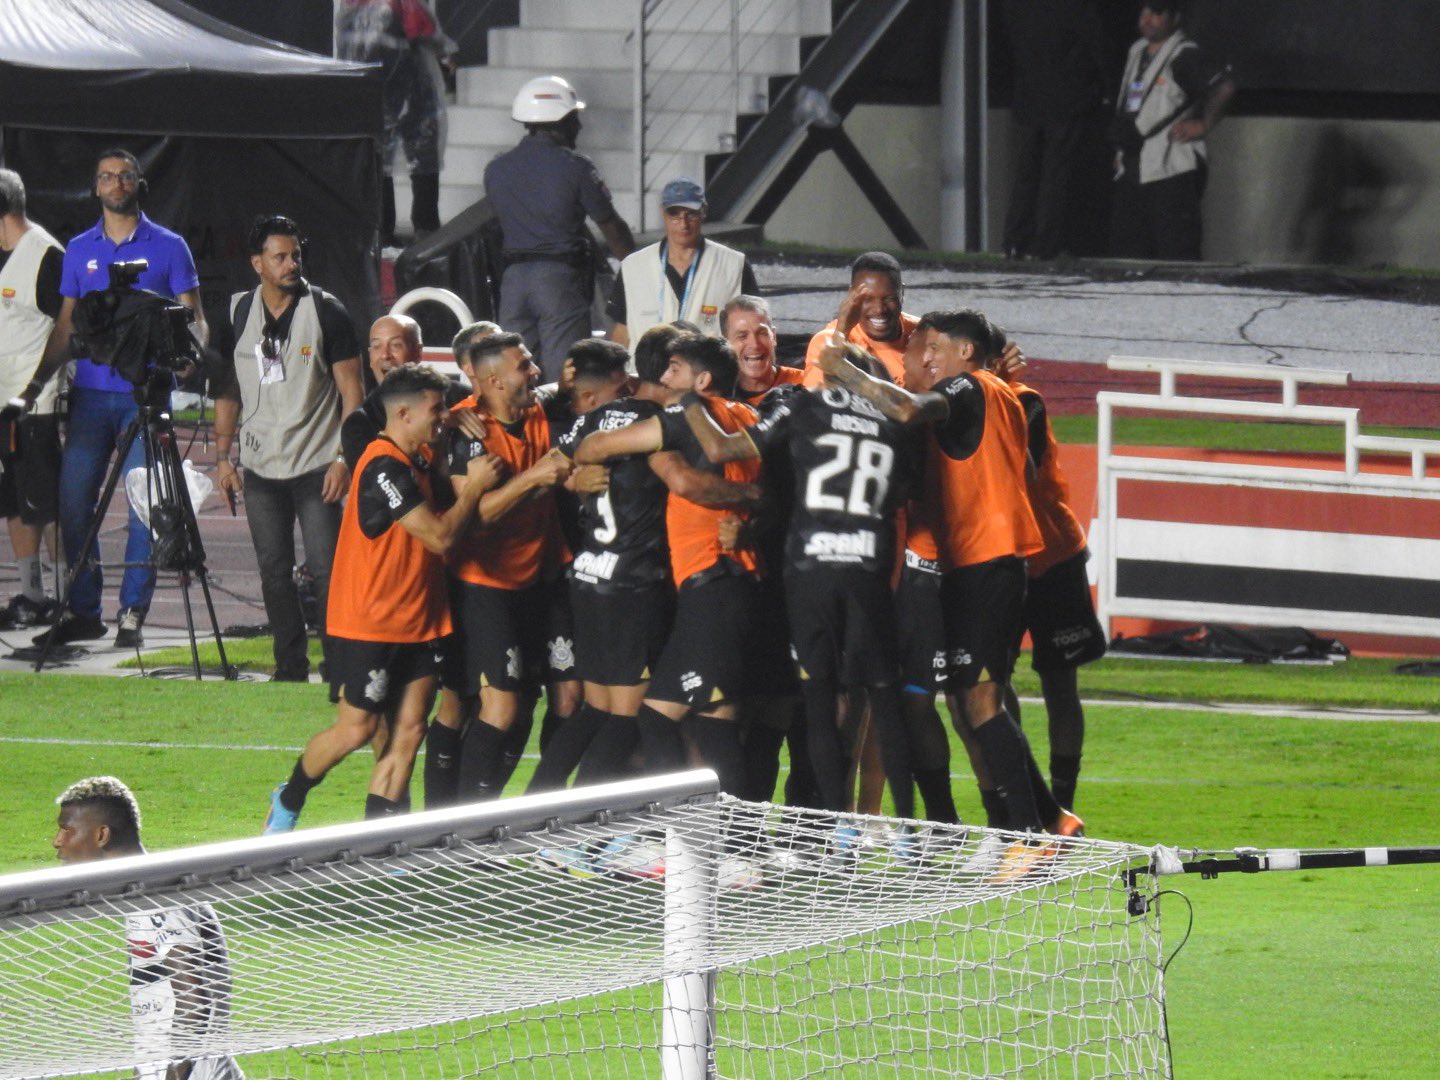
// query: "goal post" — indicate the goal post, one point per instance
point(650, 928)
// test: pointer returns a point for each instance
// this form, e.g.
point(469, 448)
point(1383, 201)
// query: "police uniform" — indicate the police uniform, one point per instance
point(541, 193)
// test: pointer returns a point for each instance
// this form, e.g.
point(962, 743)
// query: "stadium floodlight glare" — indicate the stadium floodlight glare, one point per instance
point(647, 928)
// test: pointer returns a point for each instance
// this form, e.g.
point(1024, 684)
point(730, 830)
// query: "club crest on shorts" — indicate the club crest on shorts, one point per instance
point(377, 686)
point(562, 654)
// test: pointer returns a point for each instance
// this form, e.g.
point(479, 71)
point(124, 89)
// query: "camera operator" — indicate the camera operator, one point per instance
point(102, 402)
point(29, 445)
point(293, 376)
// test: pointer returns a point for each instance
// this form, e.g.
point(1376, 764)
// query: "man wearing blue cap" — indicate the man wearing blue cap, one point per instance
point(684, 276)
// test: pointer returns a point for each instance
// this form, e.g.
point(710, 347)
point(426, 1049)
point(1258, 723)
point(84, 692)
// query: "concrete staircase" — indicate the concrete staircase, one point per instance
point(695, 101)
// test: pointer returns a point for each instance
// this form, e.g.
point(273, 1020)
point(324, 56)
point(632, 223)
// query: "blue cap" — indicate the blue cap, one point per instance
point(682, 191)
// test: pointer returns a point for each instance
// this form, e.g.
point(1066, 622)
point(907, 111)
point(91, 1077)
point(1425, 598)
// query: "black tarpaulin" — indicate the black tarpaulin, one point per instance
point(227, 125)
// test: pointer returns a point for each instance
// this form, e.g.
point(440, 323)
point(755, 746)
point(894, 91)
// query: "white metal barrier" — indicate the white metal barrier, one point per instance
point(438, 355)
point(1352, 574)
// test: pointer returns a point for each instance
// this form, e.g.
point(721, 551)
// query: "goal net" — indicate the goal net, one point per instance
point(649, 929)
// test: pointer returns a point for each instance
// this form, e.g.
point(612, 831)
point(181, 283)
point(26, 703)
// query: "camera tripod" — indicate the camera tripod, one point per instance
point(175, 543)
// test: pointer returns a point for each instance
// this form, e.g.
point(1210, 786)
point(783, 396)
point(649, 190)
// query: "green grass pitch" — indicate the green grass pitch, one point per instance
point(1317, 974)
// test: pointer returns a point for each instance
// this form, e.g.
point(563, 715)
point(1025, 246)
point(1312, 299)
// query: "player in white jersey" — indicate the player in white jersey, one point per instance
point(179, 965)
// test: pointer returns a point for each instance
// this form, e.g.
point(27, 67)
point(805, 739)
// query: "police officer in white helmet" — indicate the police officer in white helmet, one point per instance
point(541, 192)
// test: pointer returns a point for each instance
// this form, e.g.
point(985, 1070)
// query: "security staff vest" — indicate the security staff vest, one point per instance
point(289, 426)
point(650, 301)
point(1159, 157)
point(24, 328)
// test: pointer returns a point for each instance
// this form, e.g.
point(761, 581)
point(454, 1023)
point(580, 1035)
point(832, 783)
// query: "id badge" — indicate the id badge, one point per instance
point(1135, 96)
point(271, 368)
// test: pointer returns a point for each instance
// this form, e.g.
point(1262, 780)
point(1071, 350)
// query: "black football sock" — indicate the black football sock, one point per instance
point(550, 723)
point(513, 749)
point(1064, 775)
point(481, 751)
point(1007, 757)
point(660, 744)
point(1045, 804)
point(935, 793)
point(719, 745)
point(377, 806)
point(828, 764)
point(800, 786)
point(563, 751)
point(292, 795)
point(761, 749)
point(442, 765)
point(894, 748)
point(608, 756)
point(995, 815)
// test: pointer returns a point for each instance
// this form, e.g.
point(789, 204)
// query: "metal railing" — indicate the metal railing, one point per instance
point(1364, 554)
point(698, 66)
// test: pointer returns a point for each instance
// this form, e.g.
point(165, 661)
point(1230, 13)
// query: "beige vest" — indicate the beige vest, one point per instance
point(24, 328)
point(288, 426)
point(1159, 157)
point(650, 301)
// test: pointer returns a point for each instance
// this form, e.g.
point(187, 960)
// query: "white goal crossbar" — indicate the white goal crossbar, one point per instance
point(649, 928)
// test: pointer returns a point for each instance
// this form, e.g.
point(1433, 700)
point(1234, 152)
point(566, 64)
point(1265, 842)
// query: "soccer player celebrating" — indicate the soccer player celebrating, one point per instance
point(844, 456)
point(499, 597)
point(746, 324)
point(388, 605)
point(701, 670)
point(179, 965)
point(975, 501)
point(869, 317)
point(620, 591)
point(1059, 610)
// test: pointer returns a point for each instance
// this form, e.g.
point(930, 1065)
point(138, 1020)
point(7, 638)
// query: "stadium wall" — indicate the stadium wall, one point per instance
point(1307, 548)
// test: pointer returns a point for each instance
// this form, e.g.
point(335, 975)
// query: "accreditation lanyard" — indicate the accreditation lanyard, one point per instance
point(665, 281)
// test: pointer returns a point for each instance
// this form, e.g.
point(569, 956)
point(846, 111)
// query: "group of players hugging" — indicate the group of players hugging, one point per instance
point(696, 556)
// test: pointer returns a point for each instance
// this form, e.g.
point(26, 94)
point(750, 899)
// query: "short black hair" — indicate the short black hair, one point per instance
point(490, 346)
point(1164, 7)
point(118, 152)
point(598, 357)
point(964, 323)
point(652, 351)
point(467, 335)
point(409, 381)
point(710, 354)
point(267, 225)
point(877, 262)
point(745, 302)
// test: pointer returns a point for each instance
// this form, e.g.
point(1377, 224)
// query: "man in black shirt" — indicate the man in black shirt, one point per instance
point(845, 458)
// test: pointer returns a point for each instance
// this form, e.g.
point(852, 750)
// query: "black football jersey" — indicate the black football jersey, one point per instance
point(621, 536)
point(849, 465)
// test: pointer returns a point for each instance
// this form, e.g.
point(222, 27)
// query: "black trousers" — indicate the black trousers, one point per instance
point(1158, 220)
point(1038, 218)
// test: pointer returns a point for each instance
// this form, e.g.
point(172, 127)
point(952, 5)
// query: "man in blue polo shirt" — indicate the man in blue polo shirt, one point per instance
point(102, 404)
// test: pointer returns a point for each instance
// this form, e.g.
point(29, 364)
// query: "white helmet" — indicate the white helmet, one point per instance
point(545, 100)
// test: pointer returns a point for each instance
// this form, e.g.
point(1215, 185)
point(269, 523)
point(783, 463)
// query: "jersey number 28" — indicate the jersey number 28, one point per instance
point(868, 464)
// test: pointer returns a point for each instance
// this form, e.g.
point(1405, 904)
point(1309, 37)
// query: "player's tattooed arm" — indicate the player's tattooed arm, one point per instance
point(701, 487)
point(719, 445)
point(642, 437)
point(837, 362)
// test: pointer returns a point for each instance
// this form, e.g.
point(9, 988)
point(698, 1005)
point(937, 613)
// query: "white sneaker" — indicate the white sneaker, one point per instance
point(738, 872)
point(986, 859)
